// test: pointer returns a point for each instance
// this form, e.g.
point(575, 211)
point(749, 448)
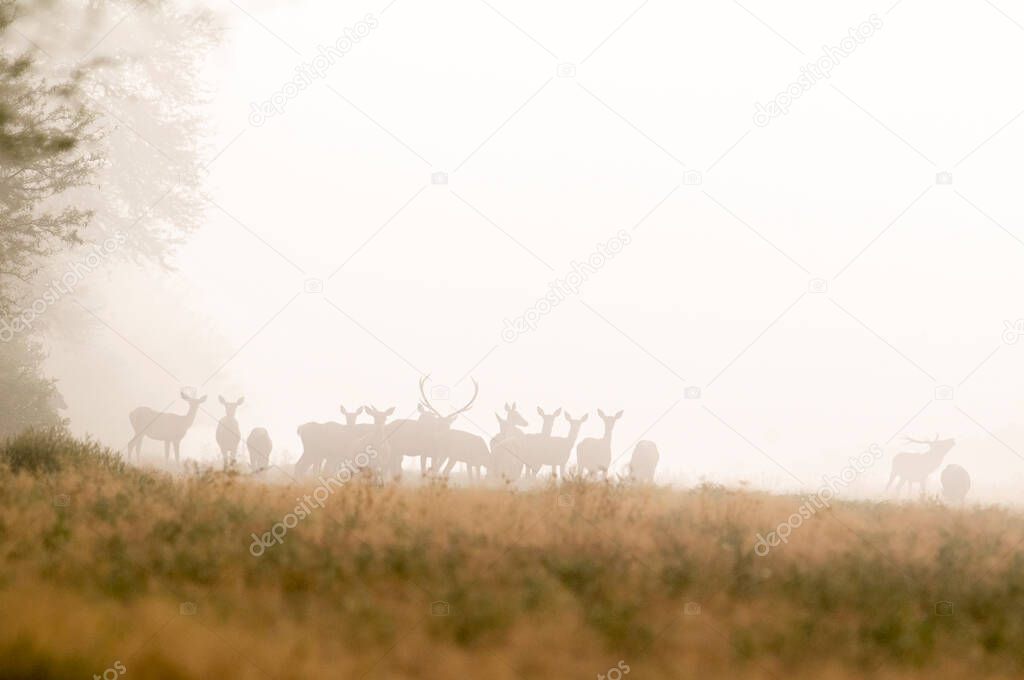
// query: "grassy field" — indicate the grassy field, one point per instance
point(108, 570)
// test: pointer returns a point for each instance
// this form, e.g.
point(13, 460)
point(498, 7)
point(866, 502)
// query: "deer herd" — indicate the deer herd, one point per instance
point(510, 455)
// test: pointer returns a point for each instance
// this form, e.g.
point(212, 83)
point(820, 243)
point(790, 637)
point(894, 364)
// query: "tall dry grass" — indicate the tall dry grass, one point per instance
point(100, 563)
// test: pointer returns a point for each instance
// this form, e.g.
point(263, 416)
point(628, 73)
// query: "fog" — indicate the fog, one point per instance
point(764, 289)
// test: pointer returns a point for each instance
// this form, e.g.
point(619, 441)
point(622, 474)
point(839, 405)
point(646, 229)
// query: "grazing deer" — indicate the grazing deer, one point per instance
point(555, 451)
point(327, 443)
point(259, 445)
point(228, 434)
point(170, 428)
point(595, 455)
point(643, 462)
point(916, 467)
point(506, 457)
point(955, 483)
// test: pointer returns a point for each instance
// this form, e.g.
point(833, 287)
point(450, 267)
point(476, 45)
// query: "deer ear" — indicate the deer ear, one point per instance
point(360, 410)
point(221, 398)
point(389, 411)
point(585, 416)
point(540, 411)
point(241, 400)
point(618, 415)
point(513, 406)
point(568, 417)
point(601, 413)
point(558, 413)
point(203, 399)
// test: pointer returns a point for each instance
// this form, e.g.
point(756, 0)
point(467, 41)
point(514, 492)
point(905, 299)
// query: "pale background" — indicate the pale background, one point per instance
point(713, 291)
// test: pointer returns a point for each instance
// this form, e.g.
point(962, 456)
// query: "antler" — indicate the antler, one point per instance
point(469, 404)
point(424, 401)
point(920, 441)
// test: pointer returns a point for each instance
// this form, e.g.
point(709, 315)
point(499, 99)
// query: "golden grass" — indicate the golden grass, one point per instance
point(557, 582)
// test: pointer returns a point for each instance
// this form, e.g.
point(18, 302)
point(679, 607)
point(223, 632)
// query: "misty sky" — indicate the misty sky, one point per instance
point(807, 272)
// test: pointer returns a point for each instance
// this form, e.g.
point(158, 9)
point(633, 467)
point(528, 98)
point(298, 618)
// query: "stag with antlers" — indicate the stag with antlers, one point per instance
point(917, 467)
point(454, 446)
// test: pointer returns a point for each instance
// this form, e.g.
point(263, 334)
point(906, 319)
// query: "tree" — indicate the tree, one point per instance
point(45, 138)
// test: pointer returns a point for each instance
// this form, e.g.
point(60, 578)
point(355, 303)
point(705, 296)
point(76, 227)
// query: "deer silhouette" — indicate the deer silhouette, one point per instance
point(914, 468)
point(327, 444)
point(595, 455)
point(259, 445)
point(506, 460)
point(644, 461)
point(955, 483)
point(445, 445)
point(547, 420)
point(228, 434)
point(375, 444)
point(536, 446)
point(555, 451)
point(170, 428)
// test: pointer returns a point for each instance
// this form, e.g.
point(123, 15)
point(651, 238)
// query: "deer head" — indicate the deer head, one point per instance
point(548, 419)
point(426, 407)
point(575, 424)
point(193, 402)
point(379, 417)
point(513, 417)
point(350, 416)
point(229, 406)
point(609, 421)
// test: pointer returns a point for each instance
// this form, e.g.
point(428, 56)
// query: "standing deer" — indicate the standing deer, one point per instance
point(228, 434)
point(537, 445)
point(446, 445)
point(595, 455)
point(327, 442)
point(916, 467)
point(555, 451)
point(643, 462)
point(506, 456)
point(259, 445)
point(375, 444)
point(170, 428)
point(547, 420)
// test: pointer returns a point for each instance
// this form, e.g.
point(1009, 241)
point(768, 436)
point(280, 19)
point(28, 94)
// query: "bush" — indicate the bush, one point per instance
point(51, 449)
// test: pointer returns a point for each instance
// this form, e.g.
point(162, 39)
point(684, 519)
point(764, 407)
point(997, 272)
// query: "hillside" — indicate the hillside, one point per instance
point(110, 570)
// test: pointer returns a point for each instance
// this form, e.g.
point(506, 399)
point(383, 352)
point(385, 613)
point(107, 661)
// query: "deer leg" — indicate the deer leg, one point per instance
point(167, 450)
point(177, 450)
